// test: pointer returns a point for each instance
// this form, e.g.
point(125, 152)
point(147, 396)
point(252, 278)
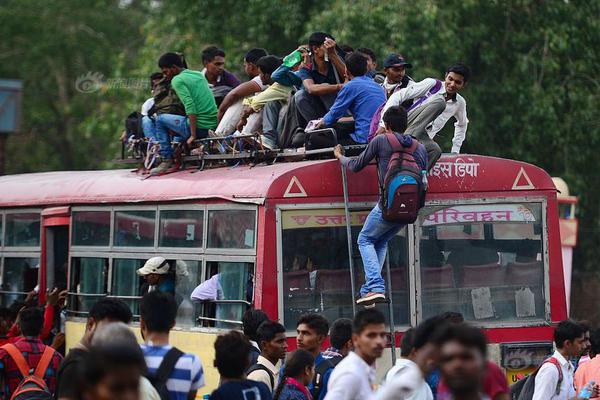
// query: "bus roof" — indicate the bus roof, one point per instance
point(244, 184)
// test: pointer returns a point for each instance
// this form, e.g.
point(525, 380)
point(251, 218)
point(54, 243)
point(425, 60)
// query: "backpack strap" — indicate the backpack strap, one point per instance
point(167, 365)
point(44, 363)
point(394, 142)
point(260, 367)
point(18, 358)
point(553, 360)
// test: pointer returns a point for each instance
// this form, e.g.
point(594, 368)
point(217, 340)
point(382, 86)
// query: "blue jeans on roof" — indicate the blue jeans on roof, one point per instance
point(149, 130)
point(157, 129)
point(372, 243)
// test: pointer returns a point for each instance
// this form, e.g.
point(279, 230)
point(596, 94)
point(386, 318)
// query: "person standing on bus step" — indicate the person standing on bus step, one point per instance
point(184, 374)
point(354, 377)
point(377, 232)
point(311, 330)
point(201, 110)
point(156, 273)
point(570, 342)
point(340, 340)
point(273, 344)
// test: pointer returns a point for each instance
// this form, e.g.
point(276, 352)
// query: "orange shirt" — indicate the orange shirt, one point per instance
point(586, 372)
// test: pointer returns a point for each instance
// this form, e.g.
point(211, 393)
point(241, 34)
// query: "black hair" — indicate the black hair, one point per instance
point(395, 118)
point(466, 335)
point(154, 76)
point(461, 69)
point(268, 330)
point(169, 60)
point(316, 322)
point(268, 64)
point(585, 324)
point(346, 48)
point(406, 343)
point(111, 309)
point(356, 64)
point(251, 320)
point(340, 332)
point(232, 354)
point(567, 330)
point(367, 51)
point(31, 320)
point(452, 317)
point(253, 55)
point(595, 341)
point(158, 310)
point(15, 307)
point(295, 364)
point(6, 314)
point(426, 332)
point(363, 318)
point(318, 38)
point(209, 54)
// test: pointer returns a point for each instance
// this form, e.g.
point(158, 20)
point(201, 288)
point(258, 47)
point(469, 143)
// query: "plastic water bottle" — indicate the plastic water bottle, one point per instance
point(586, 392)
point(424, 179)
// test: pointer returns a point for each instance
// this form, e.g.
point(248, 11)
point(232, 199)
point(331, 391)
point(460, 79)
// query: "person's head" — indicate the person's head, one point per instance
point(213, 60)
point(586, 334)
point(371, 58)
point(394, 67)
point(273, 343)
point(250, 60)
point(569, 337)
point(155, 78)
point(299, 365)
point(6, 320)
point(346, 48)
point(155, 270)
point(356, 65)
point(30, 321)
point(267, 65)
point(595, 343)
point(395, 119)
point(157, 313)
point(340, 335)
point(368, 334)
point(113, 366)
point(232, 355)
point(452, 317)
point(105, 311)
point(311, 330)
point(457, 76)
point(406, 343)
point(463, 351)
point(170, 64)
point(425, 344)
point(251, 320)
point(315, 43)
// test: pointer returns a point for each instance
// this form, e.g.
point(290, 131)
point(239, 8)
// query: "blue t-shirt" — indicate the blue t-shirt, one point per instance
point(242, 390)
point(187, 376)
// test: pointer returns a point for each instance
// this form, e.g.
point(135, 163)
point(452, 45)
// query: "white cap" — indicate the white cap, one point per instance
point(155, 265)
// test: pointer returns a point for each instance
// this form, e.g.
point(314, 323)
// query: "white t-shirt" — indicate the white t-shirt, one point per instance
point(405, 382)
point(258, 81)
point(351, 379)
point(147, 106)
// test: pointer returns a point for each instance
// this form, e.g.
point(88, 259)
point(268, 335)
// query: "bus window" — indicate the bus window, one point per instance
point(89, 276)
point(126, 283)
point(181, 228)
point(187, 275)
point(20, 277)
point(231, 229)
point(22, 230)
point(316, 275)
point(91, 228)
point(482, 260)
point(134, 228)
point(233, 282)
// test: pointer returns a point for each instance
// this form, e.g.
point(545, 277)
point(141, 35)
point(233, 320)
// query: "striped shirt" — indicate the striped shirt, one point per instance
point(187, 376)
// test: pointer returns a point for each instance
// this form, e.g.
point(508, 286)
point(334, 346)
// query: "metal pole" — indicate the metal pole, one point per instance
point(349, 235)
point(391, 308)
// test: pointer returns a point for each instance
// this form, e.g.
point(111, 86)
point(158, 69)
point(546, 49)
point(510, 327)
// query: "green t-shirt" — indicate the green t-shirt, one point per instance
point(197, 98)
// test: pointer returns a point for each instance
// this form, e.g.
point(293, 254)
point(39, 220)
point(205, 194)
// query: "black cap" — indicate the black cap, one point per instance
point(396, 60)
point(318, 38)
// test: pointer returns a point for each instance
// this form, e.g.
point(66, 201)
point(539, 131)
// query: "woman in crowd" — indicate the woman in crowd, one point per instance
point(297, 374)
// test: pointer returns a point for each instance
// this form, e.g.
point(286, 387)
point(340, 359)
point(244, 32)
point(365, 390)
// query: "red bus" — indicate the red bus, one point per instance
point(486, 245)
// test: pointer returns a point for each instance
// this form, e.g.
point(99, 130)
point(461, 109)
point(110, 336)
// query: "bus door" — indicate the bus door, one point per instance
point(55, 247)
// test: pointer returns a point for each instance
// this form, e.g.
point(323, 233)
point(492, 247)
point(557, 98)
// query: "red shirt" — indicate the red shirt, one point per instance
point(32, 349)
point(494, 383)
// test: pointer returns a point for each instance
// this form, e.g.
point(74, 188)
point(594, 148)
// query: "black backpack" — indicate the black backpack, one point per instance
point(260, 367)
point(133, 125)
point(161, 376)
point(320, 370)
point(523, 389)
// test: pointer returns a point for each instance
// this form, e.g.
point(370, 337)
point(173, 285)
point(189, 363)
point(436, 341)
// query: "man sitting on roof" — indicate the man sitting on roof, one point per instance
point(361, 96)
point(394, 67)
point(371, 61)
point(200, 109)
point(219, 80)
point(230, 109)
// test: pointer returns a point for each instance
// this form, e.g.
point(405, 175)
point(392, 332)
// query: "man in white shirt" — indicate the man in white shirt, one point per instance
point(273, 345)
point(569, 338)
point(433, 104)
point(406, 379)
point(354, 377)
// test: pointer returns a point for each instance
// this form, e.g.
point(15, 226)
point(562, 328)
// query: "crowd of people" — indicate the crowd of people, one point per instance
point(318, 85)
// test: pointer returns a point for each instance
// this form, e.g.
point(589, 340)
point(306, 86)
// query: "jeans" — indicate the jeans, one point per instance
point(148, 127)
point(310, 107)
point(271, 120)
point(158, 129)
point(372, 243)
